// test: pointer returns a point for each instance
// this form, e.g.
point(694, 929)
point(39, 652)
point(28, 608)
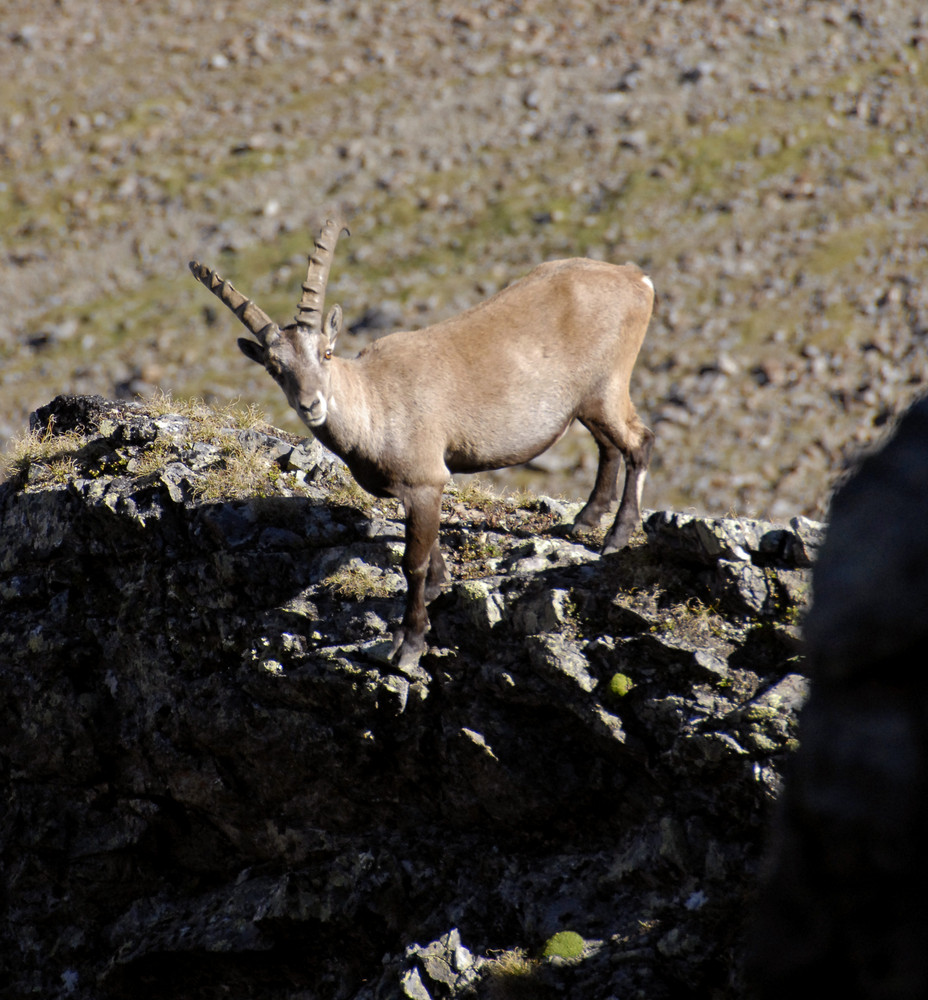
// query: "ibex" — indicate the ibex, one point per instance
point(488, 389)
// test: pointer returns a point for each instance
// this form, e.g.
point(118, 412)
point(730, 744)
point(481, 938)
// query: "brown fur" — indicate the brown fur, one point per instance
point(490, 388)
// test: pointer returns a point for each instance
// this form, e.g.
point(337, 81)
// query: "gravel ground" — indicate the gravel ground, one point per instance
point(766, 162)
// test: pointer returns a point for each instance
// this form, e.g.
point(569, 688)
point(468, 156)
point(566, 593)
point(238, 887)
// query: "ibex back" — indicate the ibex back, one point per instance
point(491, 388)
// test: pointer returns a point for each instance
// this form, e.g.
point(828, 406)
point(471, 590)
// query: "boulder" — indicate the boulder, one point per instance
point(842, 905)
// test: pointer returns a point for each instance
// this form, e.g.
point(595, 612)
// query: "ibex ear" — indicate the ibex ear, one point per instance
point(252, 350)
point(333, 323)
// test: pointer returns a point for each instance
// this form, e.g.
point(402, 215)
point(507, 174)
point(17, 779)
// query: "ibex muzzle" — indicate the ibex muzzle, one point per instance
point(491, 388)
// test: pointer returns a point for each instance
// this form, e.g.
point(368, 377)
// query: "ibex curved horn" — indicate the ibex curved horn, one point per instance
point(312, 302)
point(257, 321)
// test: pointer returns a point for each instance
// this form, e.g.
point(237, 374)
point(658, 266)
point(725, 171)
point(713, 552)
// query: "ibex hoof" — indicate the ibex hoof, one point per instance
point(587, 520)
point(407, 648)
point(617, 540)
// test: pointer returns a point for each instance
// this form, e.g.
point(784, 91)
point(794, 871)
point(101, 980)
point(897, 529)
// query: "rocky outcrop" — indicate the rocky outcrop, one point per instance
point(215, 780)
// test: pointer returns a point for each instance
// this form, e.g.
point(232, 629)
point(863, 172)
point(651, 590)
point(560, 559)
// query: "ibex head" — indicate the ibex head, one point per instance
point(296, 356)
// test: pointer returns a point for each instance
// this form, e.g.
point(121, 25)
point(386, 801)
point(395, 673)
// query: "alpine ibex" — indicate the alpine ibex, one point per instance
point(491, 388)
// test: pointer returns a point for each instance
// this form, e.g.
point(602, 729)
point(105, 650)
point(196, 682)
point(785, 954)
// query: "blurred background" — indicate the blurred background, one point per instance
point(767, 163)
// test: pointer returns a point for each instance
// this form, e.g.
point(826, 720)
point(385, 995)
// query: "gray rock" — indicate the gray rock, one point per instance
point(412, 986)
point(805, 541)
point(548, 611)
point(555, 656)
point(483, 605)
point(744, 584)
point(445, 965)
point(704, 540)
point(207, 745)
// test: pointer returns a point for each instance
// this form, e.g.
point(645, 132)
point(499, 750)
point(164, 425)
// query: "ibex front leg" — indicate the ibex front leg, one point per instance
point(423, 515)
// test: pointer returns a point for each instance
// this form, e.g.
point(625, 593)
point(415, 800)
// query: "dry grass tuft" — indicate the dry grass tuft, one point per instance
point(42, 456)
point(477, 494)
point(513, 976)
point(356, 583)
point(241, 473)
point(208, 419)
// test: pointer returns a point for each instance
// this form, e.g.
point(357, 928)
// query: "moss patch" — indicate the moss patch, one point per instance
point(565, 945)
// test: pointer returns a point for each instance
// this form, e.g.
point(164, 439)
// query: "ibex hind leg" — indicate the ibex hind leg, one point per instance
point(618, 434)
point(605, 490)
point(628, 516)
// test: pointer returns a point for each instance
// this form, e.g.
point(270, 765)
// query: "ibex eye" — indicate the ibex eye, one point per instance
point(328, 354)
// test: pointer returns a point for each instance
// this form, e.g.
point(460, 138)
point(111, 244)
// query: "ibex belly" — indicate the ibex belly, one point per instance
point(506, 446)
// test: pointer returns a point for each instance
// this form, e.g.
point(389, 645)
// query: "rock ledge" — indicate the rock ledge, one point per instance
point(215, 779)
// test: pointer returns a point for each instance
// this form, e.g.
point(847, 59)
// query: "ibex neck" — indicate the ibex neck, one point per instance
point(349, 429)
